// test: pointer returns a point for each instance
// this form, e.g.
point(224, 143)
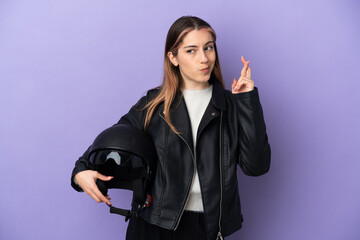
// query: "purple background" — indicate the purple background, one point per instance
point(69, 69)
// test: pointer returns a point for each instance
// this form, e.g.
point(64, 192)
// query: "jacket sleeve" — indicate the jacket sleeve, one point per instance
point(255, 152)
point(81, 164)
point(135, 117)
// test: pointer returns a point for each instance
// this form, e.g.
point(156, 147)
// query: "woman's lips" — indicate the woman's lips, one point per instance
point(205, 69)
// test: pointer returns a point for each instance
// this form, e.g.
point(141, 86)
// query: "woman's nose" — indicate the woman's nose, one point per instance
point(203, 56)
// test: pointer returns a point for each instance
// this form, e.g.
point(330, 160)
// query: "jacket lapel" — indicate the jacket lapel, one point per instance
point(181, 120)
point(179, 117)
point(217, 104)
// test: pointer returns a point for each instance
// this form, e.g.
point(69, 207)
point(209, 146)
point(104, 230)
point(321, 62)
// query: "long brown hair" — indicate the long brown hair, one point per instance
point(172, 80)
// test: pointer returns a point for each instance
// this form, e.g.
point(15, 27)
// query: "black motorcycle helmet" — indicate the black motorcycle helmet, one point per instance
point(128, 154)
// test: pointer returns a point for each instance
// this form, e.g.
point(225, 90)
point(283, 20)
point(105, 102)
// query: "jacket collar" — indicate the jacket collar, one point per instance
point(218, 97)
point(180, 117)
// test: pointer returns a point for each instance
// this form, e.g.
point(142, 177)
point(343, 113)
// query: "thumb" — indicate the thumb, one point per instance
point(234, 83)
point(103, 177)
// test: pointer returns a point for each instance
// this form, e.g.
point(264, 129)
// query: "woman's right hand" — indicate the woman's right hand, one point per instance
point(87, 181)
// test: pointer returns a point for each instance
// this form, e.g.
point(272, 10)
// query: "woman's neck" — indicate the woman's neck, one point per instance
point(197, 86)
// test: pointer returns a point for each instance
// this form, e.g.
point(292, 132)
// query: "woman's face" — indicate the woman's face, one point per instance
point(196, 59)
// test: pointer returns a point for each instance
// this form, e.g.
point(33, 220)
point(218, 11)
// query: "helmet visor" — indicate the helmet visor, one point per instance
point(120, 158)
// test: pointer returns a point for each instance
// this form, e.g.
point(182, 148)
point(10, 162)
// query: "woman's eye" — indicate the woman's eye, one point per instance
point(190, 51)
point(209, 48)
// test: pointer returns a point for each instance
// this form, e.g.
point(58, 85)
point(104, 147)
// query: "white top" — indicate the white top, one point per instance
point(196, 103)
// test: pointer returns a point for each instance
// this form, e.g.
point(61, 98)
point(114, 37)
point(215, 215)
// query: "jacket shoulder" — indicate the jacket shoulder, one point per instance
point(137, 114)
point(150, 94)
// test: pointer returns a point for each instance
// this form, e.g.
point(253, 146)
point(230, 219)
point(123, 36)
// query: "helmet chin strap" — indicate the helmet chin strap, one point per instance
point(123, 212)
point(127, 213)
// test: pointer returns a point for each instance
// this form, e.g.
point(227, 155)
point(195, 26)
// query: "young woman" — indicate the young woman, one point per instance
point(201, 132)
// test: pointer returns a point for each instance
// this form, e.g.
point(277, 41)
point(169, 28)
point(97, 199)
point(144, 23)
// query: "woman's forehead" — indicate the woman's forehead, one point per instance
point(197, 37)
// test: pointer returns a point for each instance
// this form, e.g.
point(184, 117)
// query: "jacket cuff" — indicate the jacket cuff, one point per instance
point(76, 170)
point(251, 94)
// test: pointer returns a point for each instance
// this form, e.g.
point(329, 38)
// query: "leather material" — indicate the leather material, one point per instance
point(232, 132)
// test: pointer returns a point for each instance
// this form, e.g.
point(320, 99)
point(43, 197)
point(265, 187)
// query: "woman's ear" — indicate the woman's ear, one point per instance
point(172, 59)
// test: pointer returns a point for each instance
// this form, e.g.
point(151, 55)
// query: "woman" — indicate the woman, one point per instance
point(201, 132)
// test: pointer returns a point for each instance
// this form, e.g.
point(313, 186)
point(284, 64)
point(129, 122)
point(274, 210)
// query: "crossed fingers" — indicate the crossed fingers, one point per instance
point(244, 84)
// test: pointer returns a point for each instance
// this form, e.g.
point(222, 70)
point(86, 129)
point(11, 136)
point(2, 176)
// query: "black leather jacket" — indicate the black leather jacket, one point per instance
point(232, 131)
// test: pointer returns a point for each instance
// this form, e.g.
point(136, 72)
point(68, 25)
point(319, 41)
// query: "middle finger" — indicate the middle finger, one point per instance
point(244, 69)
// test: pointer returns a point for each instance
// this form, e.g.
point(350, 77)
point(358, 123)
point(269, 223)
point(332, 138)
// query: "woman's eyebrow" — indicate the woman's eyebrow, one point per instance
point(194, 46)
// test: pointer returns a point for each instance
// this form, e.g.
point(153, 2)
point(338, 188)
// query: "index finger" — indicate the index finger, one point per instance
point(100, 196)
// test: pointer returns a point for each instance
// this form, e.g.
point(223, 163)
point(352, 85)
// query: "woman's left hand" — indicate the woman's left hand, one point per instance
point(245, 84)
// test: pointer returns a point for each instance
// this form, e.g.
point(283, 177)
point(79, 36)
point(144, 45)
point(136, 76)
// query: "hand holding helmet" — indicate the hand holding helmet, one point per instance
point(87, 181)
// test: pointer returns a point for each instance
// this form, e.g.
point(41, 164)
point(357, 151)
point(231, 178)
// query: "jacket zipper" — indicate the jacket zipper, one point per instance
point(188, 195)
point(219, 235)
